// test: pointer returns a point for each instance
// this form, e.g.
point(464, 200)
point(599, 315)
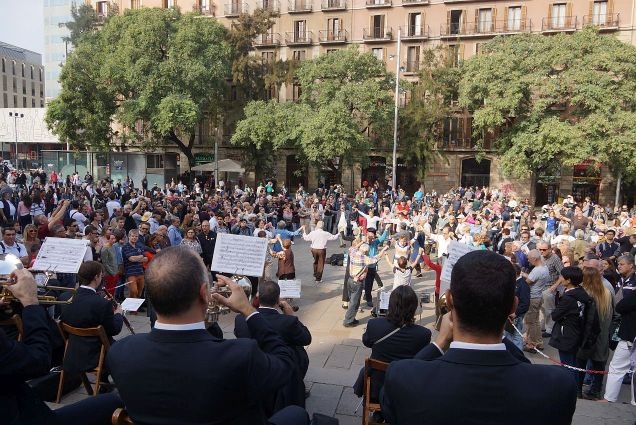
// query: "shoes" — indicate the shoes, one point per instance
point(352, 324)
point(318, 280)
point(418, 275)
point(528, 349)
point(588, 395)
point(345, 305)
point(342, 245)
point(546, 334)
point(369, 303)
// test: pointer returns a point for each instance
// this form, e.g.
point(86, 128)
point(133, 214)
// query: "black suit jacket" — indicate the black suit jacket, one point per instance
point(23, 360)
point(191, 377)
point(296, 336)
point(476, 387)
point(88, 310)
point(208, 242)
point(403, 344)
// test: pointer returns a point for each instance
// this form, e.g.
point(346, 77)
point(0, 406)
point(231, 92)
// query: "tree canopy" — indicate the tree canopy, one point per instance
point(154, 71)
point(345, 96)
point(558, 100)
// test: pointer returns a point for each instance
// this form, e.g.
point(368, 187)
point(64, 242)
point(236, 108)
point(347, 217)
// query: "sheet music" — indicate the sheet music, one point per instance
point(132, 304)
point(289, 288)
point(242, 255)
point(61, 255)
point(455, 251)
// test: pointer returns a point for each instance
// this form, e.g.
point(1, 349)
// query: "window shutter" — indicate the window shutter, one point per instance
point(549, 23)
point(448, 22)
point(610, 13)
point(524, 15)
point(505, 22)
point(569, 19)
point(493, 21)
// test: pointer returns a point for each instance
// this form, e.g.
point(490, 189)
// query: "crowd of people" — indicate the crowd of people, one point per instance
point(561, 262)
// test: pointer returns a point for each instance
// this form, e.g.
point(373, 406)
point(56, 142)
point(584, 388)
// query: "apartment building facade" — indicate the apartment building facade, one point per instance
point(308, 28)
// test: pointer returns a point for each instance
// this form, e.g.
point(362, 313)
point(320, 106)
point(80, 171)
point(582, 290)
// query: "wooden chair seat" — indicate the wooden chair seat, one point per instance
point(368, 407)
point(16, 321)
point(98, 332)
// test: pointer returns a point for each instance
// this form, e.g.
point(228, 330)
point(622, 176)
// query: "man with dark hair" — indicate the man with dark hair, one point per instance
point(89, 310)
point(220, 381)
point(294, 333)
point(477, 379)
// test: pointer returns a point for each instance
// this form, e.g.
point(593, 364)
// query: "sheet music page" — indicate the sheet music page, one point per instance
point(242, 255)
point(61, 255)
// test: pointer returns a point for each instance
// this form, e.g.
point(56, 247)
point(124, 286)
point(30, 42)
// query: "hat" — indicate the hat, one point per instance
point(146, 216)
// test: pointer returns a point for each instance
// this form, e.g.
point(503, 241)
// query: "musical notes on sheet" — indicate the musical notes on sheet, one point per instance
point(242, 255)
point(61, 255)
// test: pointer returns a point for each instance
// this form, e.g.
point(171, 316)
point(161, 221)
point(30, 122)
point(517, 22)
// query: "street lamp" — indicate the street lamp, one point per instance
point(395, 117)
point(15, 117)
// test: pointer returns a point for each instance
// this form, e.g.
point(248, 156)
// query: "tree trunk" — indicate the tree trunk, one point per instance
point(617, 195)
point(185, 149)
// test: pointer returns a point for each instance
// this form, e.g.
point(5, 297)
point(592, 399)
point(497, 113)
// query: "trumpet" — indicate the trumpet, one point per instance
point(9, 263)
point(214, 309)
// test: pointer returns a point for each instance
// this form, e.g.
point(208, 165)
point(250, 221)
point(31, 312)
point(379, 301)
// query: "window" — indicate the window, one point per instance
point(599, 13)
point(24, 102)
point(135, 4)
point(296, 92)
point(233, 93)
point(271, 93)
point(24, 87)
point(23, 71)
point(13, 67)
point(331, 50)
point(455, 54)
point(455, 22)
point(15, 100)
point(300, 31)
point(4, 65)
point(154, 161)
point(453, 128)
point(4, 82)
point(40, 74)
point(413, 59)
point(33, 103)
point(333, 28)
point(484, 20)
point(299, 55)
point(15, 84)
point(558, 15)
point(377, 26)
point(268, 57)
point(101, 7)
point(5, 100)
point(415, 24)
point(378, 53)
point(513, 20)
point(170, 3)
point(31, 72)
point(32, 89)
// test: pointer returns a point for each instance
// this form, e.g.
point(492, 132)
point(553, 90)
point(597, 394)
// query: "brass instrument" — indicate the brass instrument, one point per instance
point(215, 309)
point(9, 263)
point(441, 308)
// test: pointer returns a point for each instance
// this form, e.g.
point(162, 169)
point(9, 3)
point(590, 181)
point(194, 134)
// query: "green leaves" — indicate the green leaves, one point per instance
point(154, 71)
point(345, 95)
point(561, 99)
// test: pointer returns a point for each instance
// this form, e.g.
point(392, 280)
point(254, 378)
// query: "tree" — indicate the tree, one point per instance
point(346, 97)
point(421, 120)
point(559, 100)
point(85, 21)
point(153, 71)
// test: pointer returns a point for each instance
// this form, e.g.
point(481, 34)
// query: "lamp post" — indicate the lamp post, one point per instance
point(395, 117)
point(15, 116)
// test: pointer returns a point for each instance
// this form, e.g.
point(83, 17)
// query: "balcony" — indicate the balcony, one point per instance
point(374, 4)
point(377, 34)
point(415, 32)
point(294, 38)
point(271, 5)
point(604, 22)
point(333, 5)
point(267, 40)
point(407, 3)
point(485, 28)
point(204, 10)
point(234, 9)
point(299, 6)
point(332, 36)
point(559, 24)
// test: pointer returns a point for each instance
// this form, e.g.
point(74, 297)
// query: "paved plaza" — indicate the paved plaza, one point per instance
point(336, 353)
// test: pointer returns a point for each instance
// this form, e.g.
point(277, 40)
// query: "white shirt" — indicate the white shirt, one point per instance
point(319, 238)
point(16, 249)
point(79, 218)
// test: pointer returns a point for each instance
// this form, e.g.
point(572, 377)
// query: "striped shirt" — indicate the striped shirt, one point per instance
point(358, 264)
point(132, 268)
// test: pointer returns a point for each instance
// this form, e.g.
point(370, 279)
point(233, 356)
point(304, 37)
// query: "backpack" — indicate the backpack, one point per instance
point(591, 325)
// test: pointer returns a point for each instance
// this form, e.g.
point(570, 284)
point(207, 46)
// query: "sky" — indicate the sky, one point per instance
point(22, 24)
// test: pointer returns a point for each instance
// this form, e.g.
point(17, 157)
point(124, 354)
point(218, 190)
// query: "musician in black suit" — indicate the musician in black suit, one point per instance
point(294, 333)
point(477, 380)
point(394, 337)
point(89, 310)
point(179, 373)
point(19, 404)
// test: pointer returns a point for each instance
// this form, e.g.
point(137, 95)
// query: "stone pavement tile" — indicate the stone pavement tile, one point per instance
point(323, 375)
point(353, 342)
point(589, 412)
point(341, 356)
point(348, 403)
point(319, 353)
point(361, 355)
point(324, 399)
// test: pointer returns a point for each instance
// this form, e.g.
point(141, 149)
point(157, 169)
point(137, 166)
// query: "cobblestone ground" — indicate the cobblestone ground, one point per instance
point(337, 354)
